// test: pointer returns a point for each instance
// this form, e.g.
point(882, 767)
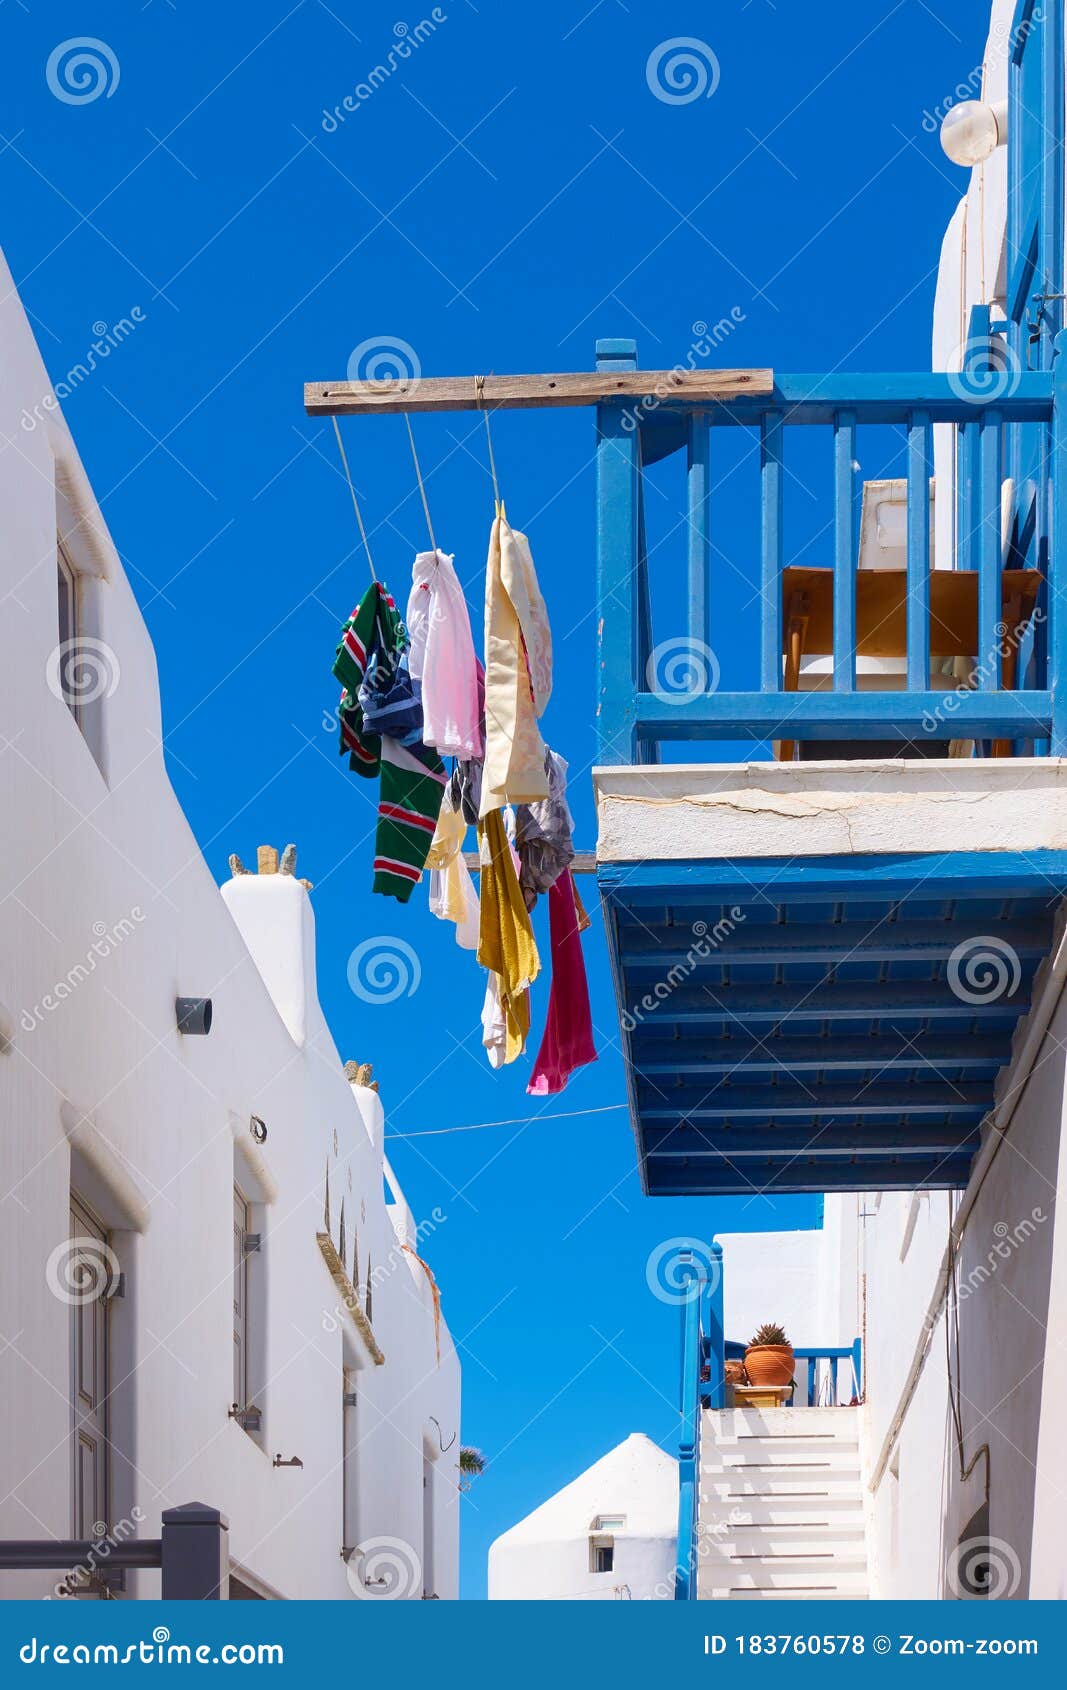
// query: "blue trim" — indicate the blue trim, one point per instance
point(947, 874)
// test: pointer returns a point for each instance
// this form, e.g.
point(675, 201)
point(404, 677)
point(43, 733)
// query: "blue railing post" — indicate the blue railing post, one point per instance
point(845, 552)
point(918, 553)
point(618, 470)
point(857, 1366)
point(689, 1436)
point(772, 496)
point(716, 1330)
point(699, 488)
point(1058, 551)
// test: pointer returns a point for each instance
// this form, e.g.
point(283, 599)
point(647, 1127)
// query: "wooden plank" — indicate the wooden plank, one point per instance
point(918, 552)
point(668, 1177)
point(737, 1102)
point(519, 393)
point(881, 608)
point(772, 490)
point(737, 1143)
point(881, 1054)
point(585, 862)
point(656, 947)
point(990, 555)
point(845, 555)
point(855, 716)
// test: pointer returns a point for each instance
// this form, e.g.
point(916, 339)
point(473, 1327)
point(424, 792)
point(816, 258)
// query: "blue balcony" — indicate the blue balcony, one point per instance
point(844, 1027)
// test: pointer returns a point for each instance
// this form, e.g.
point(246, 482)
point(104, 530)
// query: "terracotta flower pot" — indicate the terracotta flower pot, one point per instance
point(769, 1364)
point(735, 1373)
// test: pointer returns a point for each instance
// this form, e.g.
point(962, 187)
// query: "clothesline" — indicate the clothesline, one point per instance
point(517, 1121)
point(416, 698)
point(584, 862)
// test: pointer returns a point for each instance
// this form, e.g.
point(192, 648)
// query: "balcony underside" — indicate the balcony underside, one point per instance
point(822, 1023)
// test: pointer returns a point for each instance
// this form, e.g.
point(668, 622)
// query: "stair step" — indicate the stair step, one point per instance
point(716, 1593)
point(810, 1580)
point(732, 1422)
point(816, 1483)
point(721, 1457)
point(842, 1511)
point(834, 1553)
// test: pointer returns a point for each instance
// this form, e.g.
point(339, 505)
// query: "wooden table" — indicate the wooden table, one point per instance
point(882, 617)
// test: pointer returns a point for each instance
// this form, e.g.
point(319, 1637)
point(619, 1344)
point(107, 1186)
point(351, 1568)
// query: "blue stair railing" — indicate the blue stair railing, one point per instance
point(834, 1377)
point(990, 406)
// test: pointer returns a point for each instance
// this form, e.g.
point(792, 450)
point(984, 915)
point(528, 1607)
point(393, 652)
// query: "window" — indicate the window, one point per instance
point(602, 1542)
point(67, 587)
point(241, 1228)
point(89, 1271)
point(349, 1467)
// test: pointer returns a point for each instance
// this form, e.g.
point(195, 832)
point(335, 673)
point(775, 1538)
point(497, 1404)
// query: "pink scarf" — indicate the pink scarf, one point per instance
point(567, 1042)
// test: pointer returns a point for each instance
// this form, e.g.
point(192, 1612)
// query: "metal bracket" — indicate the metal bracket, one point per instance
point(251, 1242)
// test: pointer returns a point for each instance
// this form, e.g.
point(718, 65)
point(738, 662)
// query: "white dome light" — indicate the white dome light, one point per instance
point(973, 130)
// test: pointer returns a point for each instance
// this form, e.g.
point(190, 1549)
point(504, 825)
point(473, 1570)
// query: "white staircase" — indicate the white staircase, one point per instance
point(781, 1505)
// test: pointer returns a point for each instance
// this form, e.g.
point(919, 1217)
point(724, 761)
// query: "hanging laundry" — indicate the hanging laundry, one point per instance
point(544, 834)
point(452, 894)
point(506, 944)
point(443, 659)
point(518, 672)
point(412, 776)
point(567, 1041)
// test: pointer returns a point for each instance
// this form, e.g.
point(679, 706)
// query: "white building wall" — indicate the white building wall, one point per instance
point(98, 1090)
point(1005, 1369)
point(546, 1556)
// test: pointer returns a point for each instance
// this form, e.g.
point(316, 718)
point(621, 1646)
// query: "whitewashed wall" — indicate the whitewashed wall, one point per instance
point(546, 1555)
point(98, 1088)
point(1014, 1299)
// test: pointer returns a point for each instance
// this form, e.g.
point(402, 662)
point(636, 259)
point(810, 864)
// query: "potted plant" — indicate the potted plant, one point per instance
point(769, 1357)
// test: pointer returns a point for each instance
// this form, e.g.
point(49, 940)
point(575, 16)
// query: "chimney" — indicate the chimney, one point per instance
point(273, 913)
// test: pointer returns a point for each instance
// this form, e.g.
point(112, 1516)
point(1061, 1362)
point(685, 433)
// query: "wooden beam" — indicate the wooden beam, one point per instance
point(584, 862)
point(514, 393)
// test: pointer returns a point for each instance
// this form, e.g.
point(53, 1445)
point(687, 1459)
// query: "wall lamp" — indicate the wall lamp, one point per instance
point(972, 131)
point(194, 1014)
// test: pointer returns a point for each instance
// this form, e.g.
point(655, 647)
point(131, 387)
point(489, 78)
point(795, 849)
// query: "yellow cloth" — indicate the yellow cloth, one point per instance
point(518, 672)
point(506, 944)
point(452, 894)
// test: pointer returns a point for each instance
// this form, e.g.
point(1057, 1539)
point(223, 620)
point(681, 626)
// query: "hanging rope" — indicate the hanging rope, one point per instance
point(479, 390)
point(355, 501)
point(422, 488)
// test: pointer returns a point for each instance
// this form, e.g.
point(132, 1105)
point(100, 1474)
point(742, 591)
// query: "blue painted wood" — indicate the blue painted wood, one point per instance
point(716, 1329)
point(1058, 558)
point(617, 580)
point(689, 1433)
point(813, 1377)
point(884, 397)
point(670, 1178)
point(843, 1055)
point(772, 496)
point(784, 880)
point(918, 609)
point(857, 1367)
point(831, 1142)
point(740, 1102)
point(990, 557)
point(845, 552)
point(848, 1000)
point(951, 714)
point(657, 948)
point(699, 572)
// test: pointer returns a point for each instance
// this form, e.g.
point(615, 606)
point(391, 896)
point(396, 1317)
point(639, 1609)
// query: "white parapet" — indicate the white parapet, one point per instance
point(682, 811)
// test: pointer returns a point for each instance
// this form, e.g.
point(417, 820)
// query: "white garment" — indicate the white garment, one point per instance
point(442, 658)
point(494, 1027)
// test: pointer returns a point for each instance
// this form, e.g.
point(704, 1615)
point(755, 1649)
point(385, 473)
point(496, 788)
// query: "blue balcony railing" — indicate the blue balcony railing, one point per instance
point(1008, 435)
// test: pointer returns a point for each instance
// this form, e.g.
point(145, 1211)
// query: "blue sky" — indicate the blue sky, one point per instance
point(513, 190)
